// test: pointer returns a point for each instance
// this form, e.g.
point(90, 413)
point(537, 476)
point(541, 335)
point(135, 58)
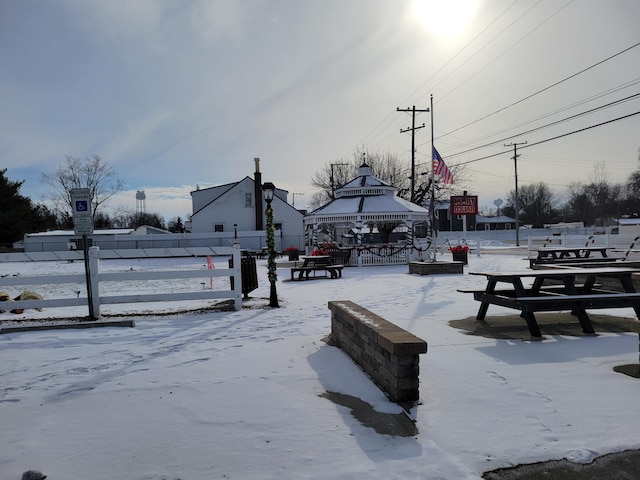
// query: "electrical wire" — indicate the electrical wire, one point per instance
point(548, 125)
point(559, 82)
point(528, 145)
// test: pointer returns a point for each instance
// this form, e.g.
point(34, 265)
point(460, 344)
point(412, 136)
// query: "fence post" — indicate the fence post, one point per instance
point(94, 269)
point(237, 276)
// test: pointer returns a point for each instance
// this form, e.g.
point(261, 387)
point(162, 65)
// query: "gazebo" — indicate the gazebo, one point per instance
point(367, 204)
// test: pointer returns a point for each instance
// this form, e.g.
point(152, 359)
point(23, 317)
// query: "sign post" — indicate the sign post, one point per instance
point(83, 225)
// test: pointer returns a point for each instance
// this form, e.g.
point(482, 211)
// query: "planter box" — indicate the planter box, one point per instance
point(460, 257)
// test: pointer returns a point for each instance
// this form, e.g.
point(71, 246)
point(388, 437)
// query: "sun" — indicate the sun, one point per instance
point(445, 17)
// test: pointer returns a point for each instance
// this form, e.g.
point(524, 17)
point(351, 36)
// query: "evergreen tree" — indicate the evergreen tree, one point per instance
point(18, 215)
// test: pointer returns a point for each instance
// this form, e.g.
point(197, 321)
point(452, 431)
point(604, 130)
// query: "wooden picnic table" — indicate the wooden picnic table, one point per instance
point(562, 294)
point(564, 254)
point(316, 263)
point(558, 253)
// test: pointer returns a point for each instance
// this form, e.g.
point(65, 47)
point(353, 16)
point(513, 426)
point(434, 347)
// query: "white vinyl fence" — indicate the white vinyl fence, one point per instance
point(98, 280)
point(626, 246)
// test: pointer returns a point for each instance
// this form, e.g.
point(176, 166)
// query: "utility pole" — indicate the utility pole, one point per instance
point(413, 129)
point(515, 164)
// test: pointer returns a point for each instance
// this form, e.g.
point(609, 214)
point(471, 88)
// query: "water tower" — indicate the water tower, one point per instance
point(141, 202)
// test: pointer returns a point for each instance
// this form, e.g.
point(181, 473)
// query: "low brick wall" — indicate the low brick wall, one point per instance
point(386, 352)
point(430, 268)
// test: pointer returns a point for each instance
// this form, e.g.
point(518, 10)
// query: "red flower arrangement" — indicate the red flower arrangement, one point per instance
point(459, 248)
point(291, 249)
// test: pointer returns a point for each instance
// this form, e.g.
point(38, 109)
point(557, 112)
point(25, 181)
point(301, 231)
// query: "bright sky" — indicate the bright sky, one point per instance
point(174, 94)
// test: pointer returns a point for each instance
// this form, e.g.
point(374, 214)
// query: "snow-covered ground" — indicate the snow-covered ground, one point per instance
point(237, 395)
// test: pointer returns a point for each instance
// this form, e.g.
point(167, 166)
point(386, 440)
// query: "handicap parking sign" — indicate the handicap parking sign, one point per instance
point(81, 201)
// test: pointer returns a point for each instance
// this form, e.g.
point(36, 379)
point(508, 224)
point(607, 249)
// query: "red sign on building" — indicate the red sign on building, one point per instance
point(464, 205)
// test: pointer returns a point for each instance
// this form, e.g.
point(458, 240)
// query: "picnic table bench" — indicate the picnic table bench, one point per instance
point(569, 255)
point(317, 263)
point(564, 294)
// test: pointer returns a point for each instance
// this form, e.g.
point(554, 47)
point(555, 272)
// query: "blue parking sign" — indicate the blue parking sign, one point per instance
point(82, 206)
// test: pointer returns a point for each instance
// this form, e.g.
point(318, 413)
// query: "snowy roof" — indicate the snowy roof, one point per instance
point(365, 178)
point(367, 198)
point(628, 221)
point(498, 219)
point(53, 233)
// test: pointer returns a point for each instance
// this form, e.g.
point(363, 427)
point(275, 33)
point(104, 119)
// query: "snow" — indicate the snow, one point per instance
point(226, 394)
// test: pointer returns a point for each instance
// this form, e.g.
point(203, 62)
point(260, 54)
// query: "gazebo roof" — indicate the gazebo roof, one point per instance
point(367, 199)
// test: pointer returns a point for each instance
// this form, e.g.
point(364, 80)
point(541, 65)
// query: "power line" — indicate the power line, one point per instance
point(386, 118)
point(556, 137)
point(544, 89)
point(467, 45)
point(486, 65)
point(557, 122)
point(558, 110)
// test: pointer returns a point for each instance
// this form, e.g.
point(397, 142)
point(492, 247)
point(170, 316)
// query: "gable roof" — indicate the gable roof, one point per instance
point(222, 189)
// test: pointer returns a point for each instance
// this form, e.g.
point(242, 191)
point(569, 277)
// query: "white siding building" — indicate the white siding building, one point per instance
point(240, 205)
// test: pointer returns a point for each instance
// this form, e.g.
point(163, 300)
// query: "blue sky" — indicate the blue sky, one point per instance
point(178, 93)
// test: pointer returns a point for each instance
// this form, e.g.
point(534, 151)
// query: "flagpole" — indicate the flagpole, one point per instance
point(433, 188)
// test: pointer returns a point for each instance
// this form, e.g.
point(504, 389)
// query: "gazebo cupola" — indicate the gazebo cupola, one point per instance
point(365, 184)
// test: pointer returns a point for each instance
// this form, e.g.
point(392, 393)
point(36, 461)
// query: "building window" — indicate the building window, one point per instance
point(248, 200)
point(218, 227)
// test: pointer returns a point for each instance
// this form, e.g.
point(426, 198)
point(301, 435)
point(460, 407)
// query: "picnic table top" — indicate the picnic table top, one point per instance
point(565, 248)
point(559, 272)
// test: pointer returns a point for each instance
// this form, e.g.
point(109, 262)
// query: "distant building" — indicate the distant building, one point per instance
point(501, 222)
point(629, 226)
point(240, 205)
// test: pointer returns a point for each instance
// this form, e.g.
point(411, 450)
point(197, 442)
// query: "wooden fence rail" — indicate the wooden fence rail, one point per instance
point(97, 278)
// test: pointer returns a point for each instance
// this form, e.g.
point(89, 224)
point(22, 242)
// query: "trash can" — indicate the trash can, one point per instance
point(249, 274)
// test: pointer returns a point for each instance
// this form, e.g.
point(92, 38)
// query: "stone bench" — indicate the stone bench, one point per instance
point(386, 352)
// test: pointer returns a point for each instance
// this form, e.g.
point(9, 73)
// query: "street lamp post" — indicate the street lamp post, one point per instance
point(268, 190)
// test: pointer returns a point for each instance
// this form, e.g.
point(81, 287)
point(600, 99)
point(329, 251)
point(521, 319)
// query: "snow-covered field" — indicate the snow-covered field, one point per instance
point(236, 395)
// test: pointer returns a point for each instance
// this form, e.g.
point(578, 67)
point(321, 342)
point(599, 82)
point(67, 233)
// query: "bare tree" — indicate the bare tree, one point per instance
point(581, 207)
point(388, 168)
point(604, 196)
point(537, 203)
point(92, 173)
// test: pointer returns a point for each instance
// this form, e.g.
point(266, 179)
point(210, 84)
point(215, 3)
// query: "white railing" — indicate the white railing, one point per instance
point(370, 255)
point(97, 280)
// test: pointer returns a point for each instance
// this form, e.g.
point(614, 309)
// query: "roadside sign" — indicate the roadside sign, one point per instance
point(83, 224)
point(464, 205)
point(81, 201)
point(82, 218)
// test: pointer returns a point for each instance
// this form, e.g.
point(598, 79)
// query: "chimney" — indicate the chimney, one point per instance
point(257, 181)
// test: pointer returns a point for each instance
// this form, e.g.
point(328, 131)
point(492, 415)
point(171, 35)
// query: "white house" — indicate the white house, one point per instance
point(239, 206)
point(629, 226)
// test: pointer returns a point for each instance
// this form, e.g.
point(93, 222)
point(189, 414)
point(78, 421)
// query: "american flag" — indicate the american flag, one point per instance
point(439, 168)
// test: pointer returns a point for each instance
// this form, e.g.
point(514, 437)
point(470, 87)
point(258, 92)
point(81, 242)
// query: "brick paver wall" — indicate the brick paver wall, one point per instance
point(386, 352)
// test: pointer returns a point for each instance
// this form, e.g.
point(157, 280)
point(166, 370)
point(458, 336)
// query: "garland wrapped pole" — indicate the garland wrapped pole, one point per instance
point(268, 190)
